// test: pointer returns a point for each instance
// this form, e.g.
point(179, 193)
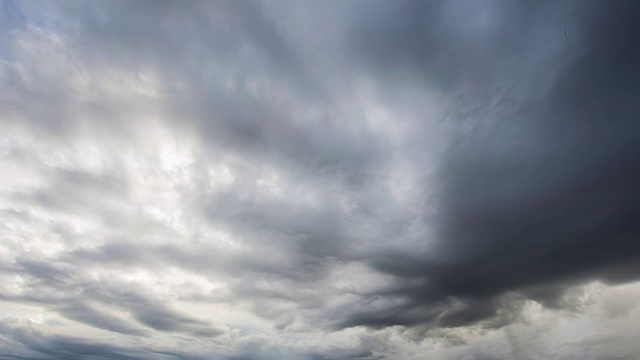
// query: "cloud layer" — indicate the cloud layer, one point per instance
point(319, 180)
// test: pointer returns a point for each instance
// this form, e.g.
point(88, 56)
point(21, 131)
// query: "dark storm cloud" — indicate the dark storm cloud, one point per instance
point(540, 200)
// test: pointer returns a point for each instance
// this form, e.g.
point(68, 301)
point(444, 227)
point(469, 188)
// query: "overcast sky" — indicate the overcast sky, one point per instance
point(306, 179)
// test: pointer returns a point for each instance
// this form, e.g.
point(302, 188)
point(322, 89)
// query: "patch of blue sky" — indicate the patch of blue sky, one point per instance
point(11, 15)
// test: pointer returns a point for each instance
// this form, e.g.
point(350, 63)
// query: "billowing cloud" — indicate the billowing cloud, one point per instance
point(319, 180)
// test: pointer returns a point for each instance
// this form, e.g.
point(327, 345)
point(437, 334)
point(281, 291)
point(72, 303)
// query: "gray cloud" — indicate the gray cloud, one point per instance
point(363, 180)
point(526, 209)
point(86, 314)
point(42, 346)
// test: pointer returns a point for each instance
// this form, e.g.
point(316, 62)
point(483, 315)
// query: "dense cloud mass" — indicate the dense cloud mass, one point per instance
point(370, 179)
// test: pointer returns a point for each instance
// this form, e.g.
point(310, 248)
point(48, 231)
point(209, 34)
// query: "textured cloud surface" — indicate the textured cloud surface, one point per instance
point(320, 180)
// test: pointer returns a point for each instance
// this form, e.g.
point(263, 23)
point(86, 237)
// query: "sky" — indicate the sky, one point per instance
point(280, 179)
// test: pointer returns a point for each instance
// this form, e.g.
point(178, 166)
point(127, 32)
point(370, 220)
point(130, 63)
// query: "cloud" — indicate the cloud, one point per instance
point(367, 180)
point(541, 197)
